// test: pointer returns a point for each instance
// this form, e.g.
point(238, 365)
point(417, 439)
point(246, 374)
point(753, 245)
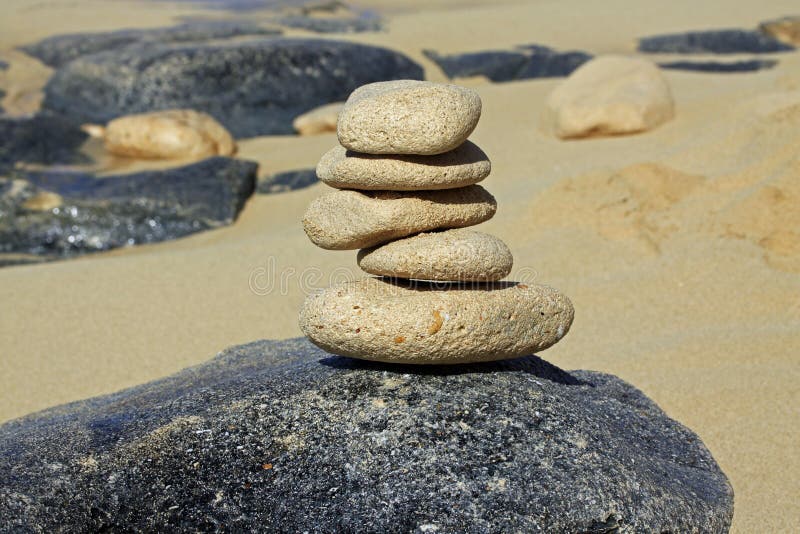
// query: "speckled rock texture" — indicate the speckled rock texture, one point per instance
point(251, 87)
point(279, 436)
point(462, 166)
point(408, 117)
point(98, 214)
point(449, 256)
point(59, 50)
point(319, 120)
point(609, 95)
point(347, 220)
point(435, 323)
point(169, 134)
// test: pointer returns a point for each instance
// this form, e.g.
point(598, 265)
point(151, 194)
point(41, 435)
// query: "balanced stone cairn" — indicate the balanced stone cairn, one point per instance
point(405, 177)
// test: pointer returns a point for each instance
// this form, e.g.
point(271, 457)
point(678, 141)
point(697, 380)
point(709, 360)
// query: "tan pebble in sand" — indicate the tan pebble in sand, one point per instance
point(43, 201)
point(422, 323)
point(345, 169)
point(408, 117)
point(609, 95)
point(171, 134)
point(345, 220)
point(318, 120)
point(452, 255)
point(785, 29)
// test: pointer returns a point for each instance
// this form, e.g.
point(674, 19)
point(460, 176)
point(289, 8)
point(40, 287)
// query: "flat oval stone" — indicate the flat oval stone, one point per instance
point(408, 117)
point(175, 133)
point(450, 256)
point(428, 323)
point(346, 220)
point(345, 169)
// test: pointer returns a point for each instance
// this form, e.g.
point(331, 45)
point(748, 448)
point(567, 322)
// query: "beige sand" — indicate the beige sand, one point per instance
point(678, 247)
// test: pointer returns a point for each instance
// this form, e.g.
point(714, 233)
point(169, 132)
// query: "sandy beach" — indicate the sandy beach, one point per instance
point(679, 247)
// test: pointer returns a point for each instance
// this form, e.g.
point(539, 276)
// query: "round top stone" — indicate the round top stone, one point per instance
point(408, 117)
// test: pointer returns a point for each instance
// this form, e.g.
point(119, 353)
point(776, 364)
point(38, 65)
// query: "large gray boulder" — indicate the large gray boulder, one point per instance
point(253, 88)
point(59, 50)
point(280, 436)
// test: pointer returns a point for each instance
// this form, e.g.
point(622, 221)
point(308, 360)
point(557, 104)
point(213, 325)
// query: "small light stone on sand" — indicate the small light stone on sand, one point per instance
point(609, 95)
point(171, 134)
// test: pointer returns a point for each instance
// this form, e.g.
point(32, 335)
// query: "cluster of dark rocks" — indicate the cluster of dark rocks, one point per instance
point(725, 41)
point(243, 74)
point(537, 61)
point(281, 436)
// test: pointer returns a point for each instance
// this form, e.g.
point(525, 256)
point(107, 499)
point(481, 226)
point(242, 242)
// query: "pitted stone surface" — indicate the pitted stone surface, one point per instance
point(429, 323)
point(450, 256)
point(345, 219)
point(408, 117)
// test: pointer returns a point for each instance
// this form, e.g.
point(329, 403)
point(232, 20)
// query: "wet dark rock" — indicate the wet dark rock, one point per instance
point(42, 139)
point(252, 88)
point(718, 66)
point(287, 181)
point(714, 42)
point(280, 436)
point(60, 49)
point(104, 213)
point(530, 61)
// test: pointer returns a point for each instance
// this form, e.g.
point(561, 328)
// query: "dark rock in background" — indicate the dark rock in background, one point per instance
point(252, 88)
point(61, 49)
point(331, 17)
point(714, 42)
point(279, 436)
point(545, 62)
point(332, 25)
point(497, 65)
point(717, 66)
point(530, 61)
point(287, 181)
point(104, 213)
point(43, 139)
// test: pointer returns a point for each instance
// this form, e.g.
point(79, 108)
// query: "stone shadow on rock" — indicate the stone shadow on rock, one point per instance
point(531, 364)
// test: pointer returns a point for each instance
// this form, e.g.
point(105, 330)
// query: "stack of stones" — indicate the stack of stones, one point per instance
point(405, 177)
